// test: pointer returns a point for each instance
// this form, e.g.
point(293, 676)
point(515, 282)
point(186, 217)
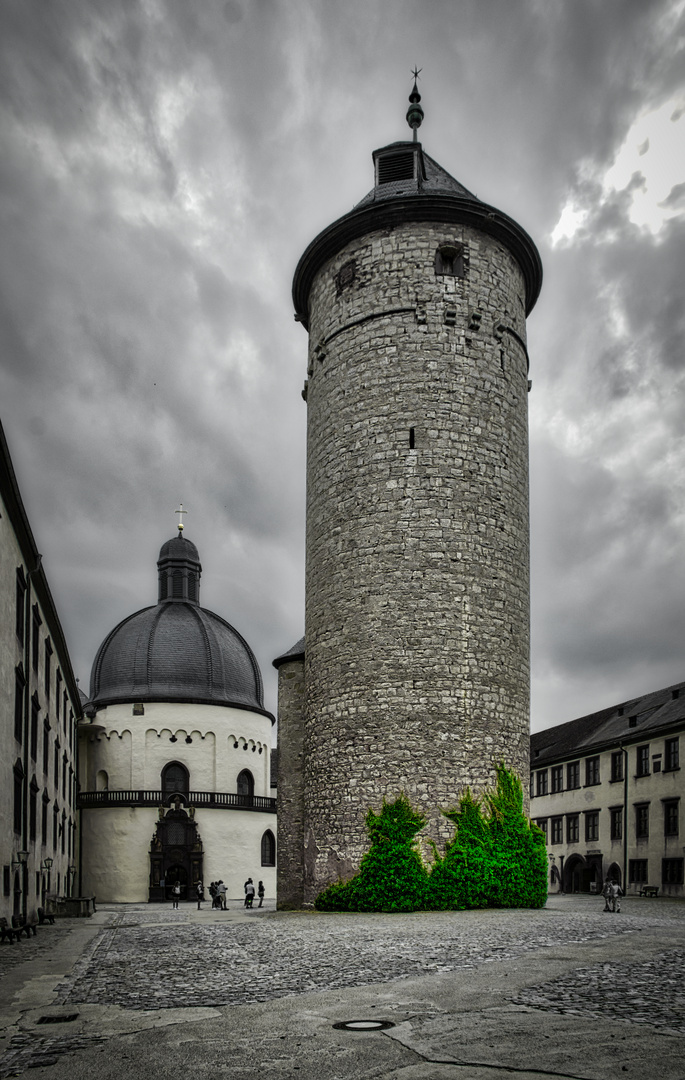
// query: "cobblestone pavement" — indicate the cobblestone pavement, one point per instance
point(652, 992)
point(163, 966)
point(149, 961)
point(47, 938)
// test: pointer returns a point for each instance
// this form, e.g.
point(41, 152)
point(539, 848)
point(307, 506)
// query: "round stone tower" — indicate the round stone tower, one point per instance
point(417, 579)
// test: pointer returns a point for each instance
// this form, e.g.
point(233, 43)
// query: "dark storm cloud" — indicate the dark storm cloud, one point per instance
point(163, 167)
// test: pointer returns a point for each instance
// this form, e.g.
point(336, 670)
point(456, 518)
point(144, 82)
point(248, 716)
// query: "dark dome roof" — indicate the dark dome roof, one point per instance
point(177, 651)
point(179, 548)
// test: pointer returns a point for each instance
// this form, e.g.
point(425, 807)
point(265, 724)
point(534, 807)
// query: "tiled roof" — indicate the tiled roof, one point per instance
point(654, 712)
point(436, 181)
point(296, 653)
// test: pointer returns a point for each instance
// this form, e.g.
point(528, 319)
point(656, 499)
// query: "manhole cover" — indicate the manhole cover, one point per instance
point(65, 1018)
point(364, 1025)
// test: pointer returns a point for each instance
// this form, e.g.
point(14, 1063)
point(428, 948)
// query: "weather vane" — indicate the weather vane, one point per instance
point(415, 112)
point(180, 519)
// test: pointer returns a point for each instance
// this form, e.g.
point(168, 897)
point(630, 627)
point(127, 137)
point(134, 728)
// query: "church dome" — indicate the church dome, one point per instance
point(177, 651)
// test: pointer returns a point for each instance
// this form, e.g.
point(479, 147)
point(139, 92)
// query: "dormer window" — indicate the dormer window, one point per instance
point(396, 167)
point(398, 163)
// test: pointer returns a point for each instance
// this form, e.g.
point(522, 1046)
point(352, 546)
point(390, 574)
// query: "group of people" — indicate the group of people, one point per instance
point(250, 893)
point(217, 892)
point(612, 893)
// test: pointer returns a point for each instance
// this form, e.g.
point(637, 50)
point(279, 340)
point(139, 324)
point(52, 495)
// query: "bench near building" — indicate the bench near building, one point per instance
point(606, 791)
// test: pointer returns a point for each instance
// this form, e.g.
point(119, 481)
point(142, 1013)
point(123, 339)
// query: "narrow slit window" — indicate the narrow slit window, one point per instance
point(412, 440)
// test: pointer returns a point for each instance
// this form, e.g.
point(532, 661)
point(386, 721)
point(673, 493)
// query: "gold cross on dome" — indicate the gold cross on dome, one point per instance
point(180, 520)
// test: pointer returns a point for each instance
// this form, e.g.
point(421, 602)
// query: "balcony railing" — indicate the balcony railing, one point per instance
point(215, 800)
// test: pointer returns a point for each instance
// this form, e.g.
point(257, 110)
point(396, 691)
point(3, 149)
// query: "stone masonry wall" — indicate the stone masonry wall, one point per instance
point(290, 784)
point(417, 586)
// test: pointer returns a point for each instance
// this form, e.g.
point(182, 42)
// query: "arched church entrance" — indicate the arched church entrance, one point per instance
point(614, 872)
point(175, 853)
point(573, 874)
point(582, 875)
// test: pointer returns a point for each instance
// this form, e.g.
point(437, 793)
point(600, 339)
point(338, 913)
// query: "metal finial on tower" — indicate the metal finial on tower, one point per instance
point(180, 520)
point(415, 112)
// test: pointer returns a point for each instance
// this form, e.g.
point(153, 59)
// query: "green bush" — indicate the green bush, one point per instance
point(497, 858)
point(391, 876)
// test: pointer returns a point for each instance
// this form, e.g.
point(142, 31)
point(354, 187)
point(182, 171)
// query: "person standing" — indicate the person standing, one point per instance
point(616, 894)
point(260, 893)
point(200, 893)
point(249, 893)
point(221, 893)
point(175, 894)
point(606, 893)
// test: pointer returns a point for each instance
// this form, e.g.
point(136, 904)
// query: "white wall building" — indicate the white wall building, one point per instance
point(39, 709)
point(176, 751)
point(607, 791)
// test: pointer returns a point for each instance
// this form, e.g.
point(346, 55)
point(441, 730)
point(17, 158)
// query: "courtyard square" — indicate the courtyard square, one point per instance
point(141, 990)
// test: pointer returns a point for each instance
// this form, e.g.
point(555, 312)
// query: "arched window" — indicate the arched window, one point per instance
point(102, 781)
point(175, 777)
point(268, 849)
point(246, 783)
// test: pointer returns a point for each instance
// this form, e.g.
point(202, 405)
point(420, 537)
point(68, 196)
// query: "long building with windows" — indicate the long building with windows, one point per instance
point(606, 790)
point(39, 711)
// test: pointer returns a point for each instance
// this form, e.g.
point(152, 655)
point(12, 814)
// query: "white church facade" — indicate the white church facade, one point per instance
point(175, 751)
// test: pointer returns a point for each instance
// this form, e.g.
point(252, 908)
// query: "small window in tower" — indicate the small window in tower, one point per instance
point(412, 438)
point(192, 590)
point(138, 709)
point(345, 276)
point(449, 260)
point(163, 588)
point(177, 585)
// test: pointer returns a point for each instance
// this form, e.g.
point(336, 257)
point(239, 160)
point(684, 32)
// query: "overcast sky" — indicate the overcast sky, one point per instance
point(163, 165)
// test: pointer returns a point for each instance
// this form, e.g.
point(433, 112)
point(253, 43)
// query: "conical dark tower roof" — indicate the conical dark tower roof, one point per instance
point(411, 186)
